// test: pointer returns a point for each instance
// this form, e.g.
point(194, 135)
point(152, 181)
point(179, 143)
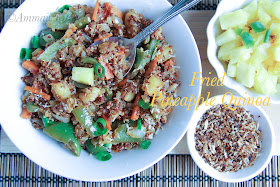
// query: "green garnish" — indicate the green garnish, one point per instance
point(145, 144)
point(247, 39)
point(143, 104)
point(258, 26)
point(100, 129)
point(139, 124)
point(96, 70)
point(35, 42)
point(65, 7)
point(103, 156)
point(267, 36)
point(25, 53)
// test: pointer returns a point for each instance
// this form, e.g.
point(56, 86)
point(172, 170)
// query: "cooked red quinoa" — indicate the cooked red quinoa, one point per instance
point(228, 140)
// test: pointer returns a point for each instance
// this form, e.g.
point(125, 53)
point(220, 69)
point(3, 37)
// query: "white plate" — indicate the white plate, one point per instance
point(260, 163)
point(213, 30)
point(49, 153)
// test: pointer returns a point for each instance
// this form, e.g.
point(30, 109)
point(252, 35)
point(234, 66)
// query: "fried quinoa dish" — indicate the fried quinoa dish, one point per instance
point(228, 140)
point(78, 93)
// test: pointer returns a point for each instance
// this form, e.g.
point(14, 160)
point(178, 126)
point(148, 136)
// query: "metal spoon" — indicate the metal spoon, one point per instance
point(132, 43)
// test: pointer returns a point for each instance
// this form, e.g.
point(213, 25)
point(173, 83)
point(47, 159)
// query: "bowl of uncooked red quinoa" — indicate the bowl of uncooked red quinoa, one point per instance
point(231, 143)
point(81, 117)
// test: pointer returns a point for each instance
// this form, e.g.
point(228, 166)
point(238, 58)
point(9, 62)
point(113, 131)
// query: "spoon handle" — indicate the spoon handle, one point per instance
point(171, 13)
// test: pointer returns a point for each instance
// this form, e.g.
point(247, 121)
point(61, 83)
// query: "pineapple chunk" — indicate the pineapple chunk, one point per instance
point(251, 11)
point(240, 54)
point(234, 19)
point(265, 82)
point(61, 90)
point(275, 28)
point(276, 53)
point(129, 96)
point(263, 16)
point(225, 50)
point(258, 38)
point(275, 9)
point(231, 70)
point(83, 75)
point(260, 55)
point(266, 4)
point(154, 85)
point(226, 37)
point(90, 94)
point(246, 74)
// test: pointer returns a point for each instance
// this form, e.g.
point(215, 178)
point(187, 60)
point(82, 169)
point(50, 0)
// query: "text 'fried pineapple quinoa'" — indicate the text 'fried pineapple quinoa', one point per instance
point(228, 140)
point(113, 96)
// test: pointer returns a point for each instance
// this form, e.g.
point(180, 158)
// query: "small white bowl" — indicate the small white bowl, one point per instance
point(213, 30)
point(261, 161)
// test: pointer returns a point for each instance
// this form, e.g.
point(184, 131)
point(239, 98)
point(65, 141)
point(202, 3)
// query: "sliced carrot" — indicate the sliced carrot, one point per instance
point(25, 114)
point(114, 10)
point(103, 37)
point(108, 122)
point(30, 66)
point(122, 83)
point(108, 72)
point(69, 32)
point(136, 109)
point(151, 67)
point(38, 92)
point(94, 15)
point(170, 62)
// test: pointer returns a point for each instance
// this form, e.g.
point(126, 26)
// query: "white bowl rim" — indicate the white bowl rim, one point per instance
point(214, 61)
point(201, 110)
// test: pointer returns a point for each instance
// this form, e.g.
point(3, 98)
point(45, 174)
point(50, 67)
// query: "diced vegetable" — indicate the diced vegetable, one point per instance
point(79, 11)
point(139, 124)
point(151, 67)
point(276, 53)
point(246, 74)
point(64, 132)
point(70, 31)
point(267, 36)
point(61, 90)
point(83, 75)
point(60, 21)
point(275, 9)
point(258, 26)
point(100, 125)
point(94, 149)
point(136, 108)
point(51, 51)
point(30, 66)
point(31, 107)
point(145, 144)
point(38, 92)
point(129, 96)
point(142, 58)
point(25, 114)
point(64, 7)
point(121, 136)
point(25, 53)
point(82, 22)
point(154, 85)
point(89, 94)
point(114, 10)
point(251, 10)
point(85, 120)
point(48, 36)
point(263, 15)
point(247, 39)
point(238, 31)
point(103, 37)
point(108, 122)
point(143, 104)
point(234, 19)
point(97, 67)
point(35, 42)
point(46, 121)
point(226, 37)
point(103, 156)
point(94, 15)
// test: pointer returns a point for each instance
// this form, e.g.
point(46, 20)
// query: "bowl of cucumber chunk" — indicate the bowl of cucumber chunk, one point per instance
point(244, 43)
